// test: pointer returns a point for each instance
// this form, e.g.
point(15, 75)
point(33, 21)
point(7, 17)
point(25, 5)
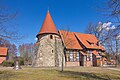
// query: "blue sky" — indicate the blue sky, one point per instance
point(75, 14)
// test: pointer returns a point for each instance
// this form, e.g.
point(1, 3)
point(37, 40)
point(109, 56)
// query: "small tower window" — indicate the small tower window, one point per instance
point(51, 37)
point(52, 51)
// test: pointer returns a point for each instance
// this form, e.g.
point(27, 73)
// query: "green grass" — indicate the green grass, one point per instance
point(81, 73)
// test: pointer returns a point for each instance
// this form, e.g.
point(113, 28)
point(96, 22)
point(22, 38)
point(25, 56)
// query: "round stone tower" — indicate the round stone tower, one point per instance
point(46, 47)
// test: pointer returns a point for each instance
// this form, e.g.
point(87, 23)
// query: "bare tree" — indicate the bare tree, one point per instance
point(7, 29)
point(61, 42)
point(66, 40)
point(27, 52)
point(106, 34)
point(36, 47)
point(12, 49)
point(59, 45)
point(113, 11)
point(108, 37)
point(59, 51)
point(91, 29)
point(113, 8)
point(103, 31)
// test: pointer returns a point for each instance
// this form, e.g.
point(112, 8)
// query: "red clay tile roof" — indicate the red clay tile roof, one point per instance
point(2, 59)
point(83, 53)
point(87, 40)
point(95, 52)
point(69, 40)
point(102, 48)
point(48, 25)
point(3, 51)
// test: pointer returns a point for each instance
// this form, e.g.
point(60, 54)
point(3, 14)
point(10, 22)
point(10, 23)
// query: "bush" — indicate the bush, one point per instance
point(8, 63)
point(21, 61)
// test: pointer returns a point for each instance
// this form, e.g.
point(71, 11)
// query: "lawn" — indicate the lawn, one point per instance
point(81, 73)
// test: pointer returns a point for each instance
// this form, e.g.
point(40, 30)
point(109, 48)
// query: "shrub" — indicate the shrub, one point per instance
point(8, 63)
point(21, 61)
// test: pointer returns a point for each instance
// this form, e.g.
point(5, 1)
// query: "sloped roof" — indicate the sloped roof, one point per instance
point(86, 39)
point(3, 51)
point(48, 25)
point(2, 59)
point(69, 40)
point(95, 52)
point(83, 53)
point(102, 48)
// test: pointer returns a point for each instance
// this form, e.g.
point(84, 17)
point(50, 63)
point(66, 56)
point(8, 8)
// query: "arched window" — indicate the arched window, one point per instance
point(51, 37)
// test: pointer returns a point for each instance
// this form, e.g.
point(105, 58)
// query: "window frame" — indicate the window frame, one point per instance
point(72, 56)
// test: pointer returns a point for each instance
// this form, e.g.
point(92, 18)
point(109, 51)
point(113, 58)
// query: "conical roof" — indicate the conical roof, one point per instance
point(48, 25)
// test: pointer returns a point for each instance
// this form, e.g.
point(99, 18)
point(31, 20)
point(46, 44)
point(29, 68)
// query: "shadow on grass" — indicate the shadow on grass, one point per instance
point(5, 75)
point(84, 75)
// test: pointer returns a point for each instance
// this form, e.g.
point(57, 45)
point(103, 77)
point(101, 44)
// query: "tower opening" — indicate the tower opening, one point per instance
point(51, 36)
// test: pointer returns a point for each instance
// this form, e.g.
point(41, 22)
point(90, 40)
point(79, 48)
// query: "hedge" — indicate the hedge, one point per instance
point(8, 63)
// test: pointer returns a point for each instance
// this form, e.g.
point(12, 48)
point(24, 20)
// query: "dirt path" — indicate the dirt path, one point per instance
point(114, 69)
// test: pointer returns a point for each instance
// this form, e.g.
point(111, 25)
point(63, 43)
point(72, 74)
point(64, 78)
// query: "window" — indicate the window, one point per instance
point(51, 37)
point(84, 58)
point(52, 51)
point(67, 57)
point(90, 56)
point(67, 51)
point(77, 56)
point(71, 56)
point(97, 43)
point(74, 56)
point(92, 44)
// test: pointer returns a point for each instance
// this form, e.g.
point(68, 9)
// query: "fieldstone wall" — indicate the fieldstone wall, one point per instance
point(49, 52)
point(60, 53)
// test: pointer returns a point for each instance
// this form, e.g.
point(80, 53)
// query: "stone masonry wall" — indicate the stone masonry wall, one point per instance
point(60, 53)
point(49, 51)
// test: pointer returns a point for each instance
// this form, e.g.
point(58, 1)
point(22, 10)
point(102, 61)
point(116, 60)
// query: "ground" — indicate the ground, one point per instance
point(74, 73)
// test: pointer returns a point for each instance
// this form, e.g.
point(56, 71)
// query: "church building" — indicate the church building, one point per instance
point(60, 47)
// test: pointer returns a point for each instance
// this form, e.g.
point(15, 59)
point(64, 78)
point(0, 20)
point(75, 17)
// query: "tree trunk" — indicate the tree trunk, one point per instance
point(116, 56)
point(116, 61)
point(62, 67)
